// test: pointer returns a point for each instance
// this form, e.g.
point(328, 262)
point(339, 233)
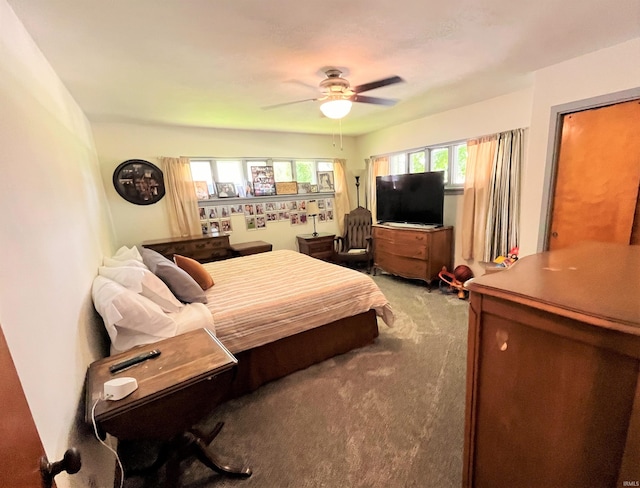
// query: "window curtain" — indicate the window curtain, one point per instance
point(503, 218)
point(378, 167)
point(475, 201)
point(181, 198)
point(341, 191)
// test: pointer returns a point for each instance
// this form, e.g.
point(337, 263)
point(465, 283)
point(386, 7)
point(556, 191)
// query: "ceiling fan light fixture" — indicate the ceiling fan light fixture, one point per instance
point(336, 108)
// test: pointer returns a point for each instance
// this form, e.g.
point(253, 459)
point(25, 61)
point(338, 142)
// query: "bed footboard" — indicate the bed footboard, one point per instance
point(271, 361)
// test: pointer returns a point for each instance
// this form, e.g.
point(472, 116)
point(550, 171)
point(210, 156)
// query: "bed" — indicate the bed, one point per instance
point(282, 311)
point(277, 312)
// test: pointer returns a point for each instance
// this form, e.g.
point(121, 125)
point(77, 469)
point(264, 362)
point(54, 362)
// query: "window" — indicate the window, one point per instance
point(449, 158)
point(238, 171)
point(417, 162)
point(439, 161)
point(398, 164)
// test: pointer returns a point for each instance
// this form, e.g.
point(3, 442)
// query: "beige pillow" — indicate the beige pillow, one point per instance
point(195, 270)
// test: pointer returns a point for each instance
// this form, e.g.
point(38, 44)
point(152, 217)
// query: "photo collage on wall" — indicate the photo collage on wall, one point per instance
point(258, 215)
point(217, 219)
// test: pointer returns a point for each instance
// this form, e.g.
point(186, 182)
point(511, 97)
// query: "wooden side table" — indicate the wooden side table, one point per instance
point(176, 390)
point(320, 246)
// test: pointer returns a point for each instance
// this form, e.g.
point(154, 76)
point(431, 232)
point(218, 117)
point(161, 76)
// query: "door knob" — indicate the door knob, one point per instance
point(554, 234)
point(71, 463)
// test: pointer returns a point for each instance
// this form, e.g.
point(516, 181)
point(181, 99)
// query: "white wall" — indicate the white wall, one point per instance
point(134, 224)
point(599, 73)
point(55, 229)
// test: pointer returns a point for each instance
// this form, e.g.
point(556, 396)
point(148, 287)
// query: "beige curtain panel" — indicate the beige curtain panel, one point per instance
point(181, 198)
point(475, 201)
point(341, 191)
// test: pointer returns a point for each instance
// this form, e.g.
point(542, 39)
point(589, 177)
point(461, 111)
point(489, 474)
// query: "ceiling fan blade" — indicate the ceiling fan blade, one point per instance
point(377, 84)
point(375, 100)
point(277, 105)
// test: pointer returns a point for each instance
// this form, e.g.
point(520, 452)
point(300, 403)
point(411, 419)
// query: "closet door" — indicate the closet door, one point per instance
point(598, 172)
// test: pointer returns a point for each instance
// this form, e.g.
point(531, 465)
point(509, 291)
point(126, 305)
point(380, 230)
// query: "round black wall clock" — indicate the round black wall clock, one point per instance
point(139, 182)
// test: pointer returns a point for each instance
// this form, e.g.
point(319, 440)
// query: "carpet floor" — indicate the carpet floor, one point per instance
point(387, 415)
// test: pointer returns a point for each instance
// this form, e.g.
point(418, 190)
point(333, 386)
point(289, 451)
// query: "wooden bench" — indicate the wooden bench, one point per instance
point(247, 248)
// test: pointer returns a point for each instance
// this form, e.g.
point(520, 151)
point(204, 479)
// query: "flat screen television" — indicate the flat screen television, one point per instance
point(416, 198)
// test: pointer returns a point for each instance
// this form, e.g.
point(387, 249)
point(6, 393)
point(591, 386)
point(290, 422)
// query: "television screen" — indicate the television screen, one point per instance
point(416, 198)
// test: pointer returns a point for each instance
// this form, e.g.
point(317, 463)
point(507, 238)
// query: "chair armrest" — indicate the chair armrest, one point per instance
point(338, 244)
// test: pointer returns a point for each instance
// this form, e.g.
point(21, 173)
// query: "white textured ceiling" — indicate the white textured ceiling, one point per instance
point(215, 63)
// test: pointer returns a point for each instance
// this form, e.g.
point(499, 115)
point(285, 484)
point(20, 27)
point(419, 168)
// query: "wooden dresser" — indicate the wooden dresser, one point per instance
point(201, 248)
point(412, 252)
point(553, 397)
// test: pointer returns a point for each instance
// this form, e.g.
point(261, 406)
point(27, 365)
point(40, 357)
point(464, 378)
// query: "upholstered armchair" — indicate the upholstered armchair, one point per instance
point(356, 246)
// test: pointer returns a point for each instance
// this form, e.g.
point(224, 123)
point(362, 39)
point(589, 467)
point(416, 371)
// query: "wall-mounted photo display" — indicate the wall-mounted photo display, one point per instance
point(261, 222)
point(329, 214)
point(225, 226)
point(204, 224)
point(272, 216)
point(236, 209)
point(203, 213)
point(283, 215)
point(259, 208)
point(325, 181)
point(292, 205)
point(214, 226)
point(293, 217)
point(139, 182)
point(251, 223)
point(224, 211)
point(211, 212)
point(226, 190)
point(249, 209)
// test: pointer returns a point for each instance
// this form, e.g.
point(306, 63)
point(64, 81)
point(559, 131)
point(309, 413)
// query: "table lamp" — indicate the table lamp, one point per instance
point(313, 210)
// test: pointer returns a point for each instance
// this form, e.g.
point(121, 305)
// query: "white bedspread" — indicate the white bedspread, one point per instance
point(261, 298)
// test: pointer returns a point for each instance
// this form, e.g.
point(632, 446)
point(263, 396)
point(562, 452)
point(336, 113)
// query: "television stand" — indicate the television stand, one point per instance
point(412, 252)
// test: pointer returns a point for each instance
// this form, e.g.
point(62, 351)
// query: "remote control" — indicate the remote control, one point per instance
point(127, 363)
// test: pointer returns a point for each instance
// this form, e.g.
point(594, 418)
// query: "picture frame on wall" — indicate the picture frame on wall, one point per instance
point(304, 187)
point(325, 181)
point(139, 182)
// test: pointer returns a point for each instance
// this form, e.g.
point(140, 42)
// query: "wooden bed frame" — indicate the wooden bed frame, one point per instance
point(277, 359)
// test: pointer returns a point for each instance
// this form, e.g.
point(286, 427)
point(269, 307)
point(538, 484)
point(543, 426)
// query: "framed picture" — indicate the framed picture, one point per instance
point(226, 190)
point(263, 181)
point(325, 181)
point(286, 188)
point(139, 182)
point(304, 187)
point(202, 190)
point(314, 188)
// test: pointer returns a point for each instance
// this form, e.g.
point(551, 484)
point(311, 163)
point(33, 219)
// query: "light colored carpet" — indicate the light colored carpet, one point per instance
point(387, 415)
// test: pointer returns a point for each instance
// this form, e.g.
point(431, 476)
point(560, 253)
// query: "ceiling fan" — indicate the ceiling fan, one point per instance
point(337, 94)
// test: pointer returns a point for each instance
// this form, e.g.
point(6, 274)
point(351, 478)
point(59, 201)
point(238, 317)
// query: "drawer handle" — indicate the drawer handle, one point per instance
point(502, 338)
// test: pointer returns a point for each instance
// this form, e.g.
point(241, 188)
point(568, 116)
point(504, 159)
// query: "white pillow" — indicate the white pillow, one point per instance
point(125, 253)
point(114, 263)
point(130, 319)
point(144, 282)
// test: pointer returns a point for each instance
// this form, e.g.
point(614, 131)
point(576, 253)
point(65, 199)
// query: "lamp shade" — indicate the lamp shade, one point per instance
point(336, 108)
point(312, 208)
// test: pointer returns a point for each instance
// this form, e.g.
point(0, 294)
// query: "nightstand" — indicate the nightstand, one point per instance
point(320, 246)
point(176, 389)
